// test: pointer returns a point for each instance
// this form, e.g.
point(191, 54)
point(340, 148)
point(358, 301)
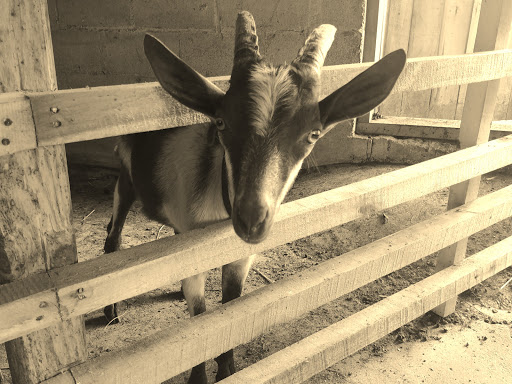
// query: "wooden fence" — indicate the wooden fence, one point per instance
point(427, 28)
point(40, 308)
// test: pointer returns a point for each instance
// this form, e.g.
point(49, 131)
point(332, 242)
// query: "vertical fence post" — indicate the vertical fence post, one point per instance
point(35, 204)
point(493, 33)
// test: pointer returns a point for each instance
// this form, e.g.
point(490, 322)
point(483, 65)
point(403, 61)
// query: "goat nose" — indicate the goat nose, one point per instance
point(251, 216)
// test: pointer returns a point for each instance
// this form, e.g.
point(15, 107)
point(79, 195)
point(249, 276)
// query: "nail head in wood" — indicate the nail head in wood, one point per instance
point(6, 141)
point(54, 109)
point(7, 122)
point(57, 124)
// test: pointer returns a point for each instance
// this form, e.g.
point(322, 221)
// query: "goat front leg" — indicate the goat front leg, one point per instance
point(193, 289)
point(233, 279)
point(124, 196)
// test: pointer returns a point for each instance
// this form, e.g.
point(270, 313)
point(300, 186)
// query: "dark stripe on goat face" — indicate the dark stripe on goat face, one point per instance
point(268, 115)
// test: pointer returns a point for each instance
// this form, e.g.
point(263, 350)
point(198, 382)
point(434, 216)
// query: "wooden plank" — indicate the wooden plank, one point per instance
point(35, 204)
point(504, 96)
point(470, 46)
point(455, 28)
point(493, 32)
point(17, 131)
point(437, 129)
point(117, 276)
point(398, 26)
point(92, 113)
point(319, 351)
point(423, 41)
point(372, 30)
point(207, 336)
point(27, 305)
point(109, 111)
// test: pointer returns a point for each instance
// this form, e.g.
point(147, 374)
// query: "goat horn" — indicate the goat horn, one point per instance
point(246, 39)
point(316, 47)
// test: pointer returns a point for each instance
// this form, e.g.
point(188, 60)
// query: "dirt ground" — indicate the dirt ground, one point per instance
point(473, 345)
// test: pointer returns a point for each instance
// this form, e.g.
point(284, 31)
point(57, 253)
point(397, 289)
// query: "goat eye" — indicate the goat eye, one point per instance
point(314, 136)
point(220, 124)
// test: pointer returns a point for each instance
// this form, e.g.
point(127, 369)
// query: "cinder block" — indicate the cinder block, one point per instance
point(386, 149)
point(53, 14)
point(176, 14)
point(284, 15)
point(346, 48)
point(346, 15)
point(339, 146)
point(105, 52)
point(81, 80)
point(123, 51)
point(207, 52)
point(93, 13)
point(281, 47)
point(77, 51)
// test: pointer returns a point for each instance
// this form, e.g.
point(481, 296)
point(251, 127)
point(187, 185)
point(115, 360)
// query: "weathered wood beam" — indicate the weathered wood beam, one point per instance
point(204, 337)
point(89, 285)
point(92, 113)
point(35, 203)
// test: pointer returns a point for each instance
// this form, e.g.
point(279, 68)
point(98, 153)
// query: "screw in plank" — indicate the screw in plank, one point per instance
point(80, 294)
point(6, 141)
point(57, 124)
point(54, 109)
point(43, 304)
point(7, 122)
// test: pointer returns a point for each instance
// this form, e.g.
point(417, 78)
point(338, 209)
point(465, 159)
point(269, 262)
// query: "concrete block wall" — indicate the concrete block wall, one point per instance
point(98, 42)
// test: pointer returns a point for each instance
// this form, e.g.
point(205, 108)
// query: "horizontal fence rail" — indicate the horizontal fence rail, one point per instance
point(319, 351)
point(40, 119)
point(44, 299)
point(206, 336)
point(437, 129)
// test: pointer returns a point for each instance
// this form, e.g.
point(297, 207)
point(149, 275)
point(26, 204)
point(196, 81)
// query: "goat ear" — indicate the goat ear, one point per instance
point(185, 84)
point(363, 93)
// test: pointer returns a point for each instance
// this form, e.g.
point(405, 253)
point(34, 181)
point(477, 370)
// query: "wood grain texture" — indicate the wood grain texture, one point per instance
point(398, 25)
point(371, 41)
point(206, 336)
point(35, 206)
point(119, 275)
point(17, 130)
point(437, 129)
point(27, 305)
point(319, 351)
point(494, 29)
point(453, 36)
point(424, 35)
point(470, 47)
point(92, 113)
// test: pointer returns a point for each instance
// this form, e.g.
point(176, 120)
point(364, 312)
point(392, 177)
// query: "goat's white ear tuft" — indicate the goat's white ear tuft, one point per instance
point(185, 84)
point(365, 92)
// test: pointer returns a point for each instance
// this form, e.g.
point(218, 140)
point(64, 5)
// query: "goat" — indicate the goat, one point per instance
point(242, 164)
